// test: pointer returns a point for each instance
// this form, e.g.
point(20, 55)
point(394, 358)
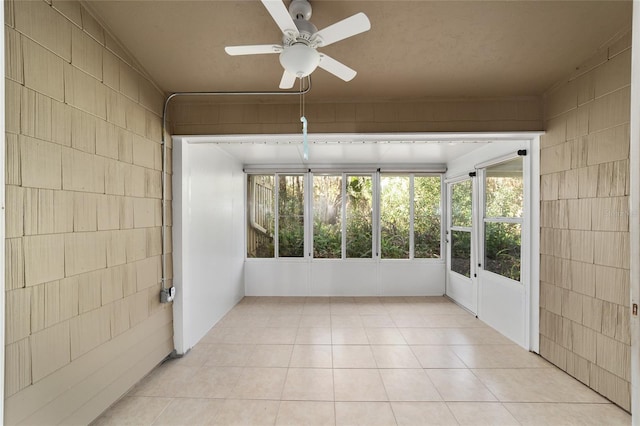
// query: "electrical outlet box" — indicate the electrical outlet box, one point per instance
point(167, 295)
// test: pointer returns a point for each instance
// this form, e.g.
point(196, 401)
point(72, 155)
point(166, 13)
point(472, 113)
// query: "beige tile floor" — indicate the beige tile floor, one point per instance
point(358, 361)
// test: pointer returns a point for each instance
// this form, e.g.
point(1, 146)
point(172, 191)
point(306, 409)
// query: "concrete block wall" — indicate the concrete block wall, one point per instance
point(584, 214)
point(83, 236)
point(272, 116)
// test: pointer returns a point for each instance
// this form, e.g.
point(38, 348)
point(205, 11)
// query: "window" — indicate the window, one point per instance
point(342, 211)
point(359, 227)
point(504, 194)
point(461, 226)
point(502, 249)
point(461, 252)
point(395, 217)
point(291, 216)
point(461, 204)
point(409, 216)
point(262, 226)
point(261, 220)
point(426, 221)
point(327, 217)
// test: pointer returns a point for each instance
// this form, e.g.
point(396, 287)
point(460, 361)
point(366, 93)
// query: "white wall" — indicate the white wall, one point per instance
point(208, 230)
point(329, 277)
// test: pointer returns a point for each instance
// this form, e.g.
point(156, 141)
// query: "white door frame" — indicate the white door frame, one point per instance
point(493, 153)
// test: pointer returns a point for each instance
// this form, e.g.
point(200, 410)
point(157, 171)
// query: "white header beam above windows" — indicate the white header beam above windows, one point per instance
point(390, 151)
point(350, 168)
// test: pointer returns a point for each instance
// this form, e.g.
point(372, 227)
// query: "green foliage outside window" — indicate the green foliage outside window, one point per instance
point(291, 216)
point(426, 222)
point(461, 202)
point(394, 217)
point(461, 252)
point(502, 249)
point(504, 196)
point(359, 227)
point(327, 217)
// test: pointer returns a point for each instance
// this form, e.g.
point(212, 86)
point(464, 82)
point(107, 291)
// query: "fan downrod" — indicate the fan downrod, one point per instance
point(300, 9)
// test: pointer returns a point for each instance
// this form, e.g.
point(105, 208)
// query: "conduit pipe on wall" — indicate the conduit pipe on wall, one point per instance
point(165, 292)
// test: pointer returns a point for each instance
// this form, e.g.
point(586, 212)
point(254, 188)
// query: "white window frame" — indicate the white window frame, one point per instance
point(411, 176)
point(305, 201)
point(451, 227)
point(376, 237)
point(522, 221)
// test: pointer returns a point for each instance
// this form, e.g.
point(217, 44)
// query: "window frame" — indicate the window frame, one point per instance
point(305, 217)
point(498, 219)
point(250, 211)
point(342, 215)
point(376, 243)
point(460, 228)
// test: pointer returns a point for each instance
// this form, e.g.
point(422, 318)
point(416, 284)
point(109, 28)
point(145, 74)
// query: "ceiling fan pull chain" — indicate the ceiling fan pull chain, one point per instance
point(303, 119)
point(305, 142)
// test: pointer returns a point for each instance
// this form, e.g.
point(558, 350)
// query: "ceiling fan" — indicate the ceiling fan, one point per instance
point(298, 53)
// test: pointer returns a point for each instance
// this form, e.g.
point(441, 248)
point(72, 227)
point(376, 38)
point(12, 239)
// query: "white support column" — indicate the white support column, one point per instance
point(634, 212)
point(534, 243)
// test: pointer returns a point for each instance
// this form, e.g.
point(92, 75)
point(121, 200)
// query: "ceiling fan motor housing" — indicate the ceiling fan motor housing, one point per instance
point(299, 56)
point(306, 31)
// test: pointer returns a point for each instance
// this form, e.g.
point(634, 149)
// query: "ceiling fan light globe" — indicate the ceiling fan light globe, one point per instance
point(299, 60)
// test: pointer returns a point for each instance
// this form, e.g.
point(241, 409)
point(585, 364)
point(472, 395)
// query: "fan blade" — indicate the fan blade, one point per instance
point(288, 80)
point(280, 14)
point(346, 28)
point(258, 49)
point(336, 68)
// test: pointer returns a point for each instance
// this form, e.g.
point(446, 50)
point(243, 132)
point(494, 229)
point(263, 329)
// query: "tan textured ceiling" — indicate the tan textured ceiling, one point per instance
point(414, 49)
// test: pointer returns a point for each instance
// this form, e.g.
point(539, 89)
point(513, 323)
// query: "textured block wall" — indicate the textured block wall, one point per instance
point(584, 264)
point(83, 236)
point(267, 116)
